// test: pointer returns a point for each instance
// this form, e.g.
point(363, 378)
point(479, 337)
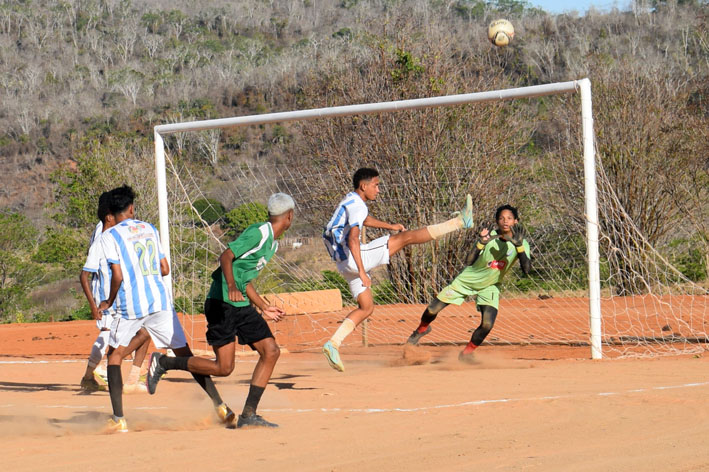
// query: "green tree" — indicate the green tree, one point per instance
point(241, 217)
point(209, 210)
point(61, 246)
point(18, 274)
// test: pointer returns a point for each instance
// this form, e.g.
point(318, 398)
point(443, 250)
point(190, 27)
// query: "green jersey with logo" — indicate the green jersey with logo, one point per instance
point(252, 251)
point(483, 277)
point(492, 264)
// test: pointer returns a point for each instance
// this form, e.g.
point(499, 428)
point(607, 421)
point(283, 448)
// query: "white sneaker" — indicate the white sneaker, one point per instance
point(135, 388)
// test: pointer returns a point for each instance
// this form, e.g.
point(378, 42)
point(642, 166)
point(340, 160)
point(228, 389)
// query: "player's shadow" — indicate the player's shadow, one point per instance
point(35, 387)
point(81, 418)
point(273, 381)
point(283, 385)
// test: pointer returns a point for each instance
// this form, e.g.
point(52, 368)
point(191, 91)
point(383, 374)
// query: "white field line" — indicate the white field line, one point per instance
point(417, 409)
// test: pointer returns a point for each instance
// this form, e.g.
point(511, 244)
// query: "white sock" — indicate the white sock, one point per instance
point(342, 332)
point(441, 229)
point(134, 374)
point(99, 348)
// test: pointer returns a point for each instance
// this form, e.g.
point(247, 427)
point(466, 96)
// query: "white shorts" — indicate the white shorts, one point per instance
point(105, 322)
point(163, 326)
point(374, 254)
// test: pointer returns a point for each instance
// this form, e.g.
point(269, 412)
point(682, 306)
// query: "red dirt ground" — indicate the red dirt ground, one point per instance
point(518, 408)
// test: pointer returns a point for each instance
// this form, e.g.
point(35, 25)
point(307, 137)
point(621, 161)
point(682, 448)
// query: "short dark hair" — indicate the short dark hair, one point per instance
point(103, 206)
point(506, 207)
point(121, 198)
point(363, 174)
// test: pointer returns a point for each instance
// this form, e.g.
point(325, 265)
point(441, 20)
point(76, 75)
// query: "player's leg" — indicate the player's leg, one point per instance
point(166, 332)
point(489, 314)
point(269, 352)
point(429, 314)
point(423, 235)
point(98, 349)
point(126, 336)
point(134, 385)
point(365, 307)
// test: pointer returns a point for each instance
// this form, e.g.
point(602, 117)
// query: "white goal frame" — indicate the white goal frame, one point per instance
point(583, 86)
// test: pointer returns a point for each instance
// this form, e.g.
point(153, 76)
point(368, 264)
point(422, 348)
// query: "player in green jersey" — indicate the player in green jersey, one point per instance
point(231, 313)
point(493, 255)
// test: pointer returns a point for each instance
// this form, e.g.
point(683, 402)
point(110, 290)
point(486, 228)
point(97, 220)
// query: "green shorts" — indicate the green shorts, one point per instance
point(456, 292)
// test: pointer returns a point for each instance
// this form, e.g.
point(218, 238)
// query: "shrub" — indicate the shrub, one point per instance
point(241, 217)
point(209, 209)
point(60, 247)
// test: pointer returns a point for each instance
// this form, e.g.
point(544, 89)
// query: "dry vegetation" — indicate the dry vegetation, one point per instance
point(82, 82)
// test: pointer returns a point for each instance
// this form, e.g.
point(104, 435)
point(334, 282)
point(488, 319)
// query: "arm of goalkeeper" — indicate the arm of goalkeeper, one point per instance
point(518, 240)
point(485, 238)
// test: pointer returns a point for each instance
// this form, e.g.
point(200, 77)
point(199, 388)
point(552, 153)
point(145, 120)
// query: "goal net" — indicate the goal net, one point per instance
point(430, 153)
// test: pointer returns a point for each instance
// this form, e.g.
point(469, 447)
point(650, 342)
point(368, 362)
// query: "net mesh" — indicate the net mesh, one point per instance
point(428, 160)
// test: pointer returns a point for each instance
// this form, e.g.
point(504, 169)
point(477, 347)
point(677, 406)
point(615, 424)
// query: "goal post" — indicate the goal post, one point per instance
point(582, 86)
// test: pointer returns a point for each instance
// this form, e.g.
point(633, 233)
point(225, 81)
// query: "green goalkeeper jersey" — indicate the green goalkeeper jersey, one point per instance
point(252, 251)
point(492, 264)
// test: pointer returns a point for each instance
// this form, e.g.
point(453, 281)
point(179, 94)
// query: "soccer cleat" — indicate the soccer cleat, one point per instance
point(135, 388)
point(155, 372)
point(116, 425)
point(101, 378)
point(416, 336)
point(467, 358)
point(89, 385)
point(253, 421)
point(466, 214)
point(333, 356)
point(226, 416)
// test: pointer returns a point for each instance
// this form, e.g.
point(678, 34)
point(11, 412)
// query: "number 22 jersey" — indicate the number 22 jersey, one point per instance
point(135, 246)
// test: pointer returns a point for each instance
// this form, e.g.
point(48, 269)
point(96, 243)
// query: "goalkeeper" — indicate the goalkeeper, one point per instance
point(486, 266)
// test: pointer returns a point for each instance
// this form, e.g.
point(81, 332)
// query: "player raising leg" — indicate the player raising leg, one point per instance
point(355, 260)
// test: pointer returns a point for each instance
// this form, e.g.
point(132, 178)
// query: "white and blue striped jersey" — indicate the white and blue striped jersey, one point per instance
point(351, 212)
point(97, 264)
point(97, 232)
point(135, 246)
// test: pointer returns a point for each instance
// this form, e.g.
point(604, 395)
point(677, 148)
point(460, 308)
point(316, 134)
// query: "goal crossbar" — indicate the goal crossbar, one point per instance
point(583, 86)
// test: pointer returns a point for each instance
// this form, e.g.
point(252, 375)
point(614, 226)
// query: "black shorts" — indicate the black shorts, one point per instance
point(226, 322)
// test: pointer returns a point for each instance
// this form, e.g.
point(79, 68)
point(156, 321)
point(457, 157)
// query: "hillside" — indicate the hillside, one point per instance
point(82, 83)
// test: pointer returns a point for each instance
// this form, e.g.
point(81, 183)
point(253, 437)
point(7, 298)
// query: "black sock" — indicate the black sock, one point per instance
point(115, 389)
point(206, 382)
point(174, 363)
point(252, 400)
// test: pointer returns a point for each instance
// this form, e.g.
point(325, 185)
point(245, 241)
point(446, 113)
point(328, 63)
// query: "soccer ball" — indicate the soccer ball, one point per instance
point(500, 32)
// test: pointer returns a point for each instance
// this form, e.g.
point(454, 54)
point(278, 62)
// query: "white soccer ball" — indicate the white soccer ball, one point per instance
point(500, 32)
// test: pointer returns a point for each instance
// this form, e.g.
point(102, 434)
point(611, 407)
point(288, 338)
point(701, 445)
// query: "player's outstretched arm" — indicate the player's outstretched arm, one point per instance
point(84, 281)
point(375, 223)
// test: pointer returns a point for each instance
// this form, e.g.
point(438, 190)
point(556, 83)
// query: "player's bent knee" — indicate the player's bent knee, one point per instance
point(225, 370)
point(486, 327)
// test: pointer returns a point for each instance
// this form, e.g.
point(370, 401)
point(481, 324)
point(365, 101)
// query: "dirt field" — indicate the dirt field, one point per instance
point(516, 409)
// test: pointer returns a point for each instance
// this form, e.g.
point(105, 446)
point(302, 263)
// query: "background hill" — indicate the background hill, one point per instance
point(82, 83)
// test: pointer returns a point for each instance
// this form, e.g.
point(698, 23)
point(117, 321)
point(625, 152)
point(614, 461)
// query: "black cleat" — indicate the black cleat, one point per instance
point(416, 336)
point(252, 420)
point(155, 372)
